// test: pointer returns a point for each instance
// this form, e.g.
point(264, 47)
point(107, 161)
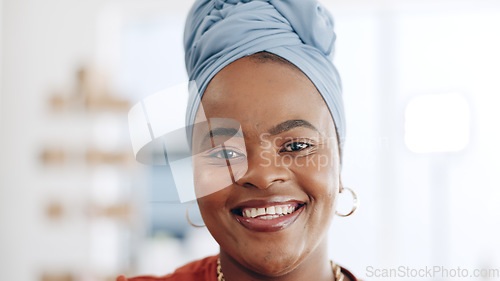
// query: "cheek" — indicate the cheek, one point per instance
point(319, 178)
point(209, 179)
point(210, 208)
point(216, 219)
point(210, 183)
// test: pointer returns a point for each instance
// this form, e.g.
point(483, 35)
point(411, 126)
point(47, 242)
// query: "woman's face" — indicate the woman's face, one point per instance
point(267, 165)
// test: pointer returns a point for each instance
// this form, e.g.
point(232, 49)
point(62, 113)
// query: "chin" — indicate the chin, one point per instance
point(272, 263)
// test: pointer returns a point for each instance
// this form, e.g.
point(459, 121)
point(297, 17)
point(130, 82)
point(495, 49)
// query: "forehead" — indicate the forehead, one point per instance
point(260, 95)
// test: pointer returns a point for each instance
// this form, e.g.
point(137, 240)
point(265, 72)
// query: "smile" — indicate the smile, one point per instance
point(268, 218)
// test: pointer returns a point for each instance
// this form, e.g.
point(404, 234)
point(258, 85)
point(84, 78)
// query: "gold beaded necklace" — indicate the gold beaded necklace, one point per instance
point(337, 274)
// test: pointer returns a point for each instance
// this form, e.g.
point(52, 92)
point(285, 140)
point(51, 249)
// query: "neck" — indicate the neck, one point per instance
point(315, 264)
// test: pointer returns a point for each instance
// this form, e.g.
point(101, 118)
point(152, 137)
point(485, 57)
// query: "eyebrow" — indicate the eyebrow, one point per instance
point(276, 130)
point(290, 124)
point(229, 132)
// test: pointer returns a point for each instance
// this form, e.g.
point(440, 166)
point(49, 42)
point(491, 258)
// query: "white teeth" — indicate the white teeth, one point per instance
point(269, 217)
point(269, 212)
point(253, 213)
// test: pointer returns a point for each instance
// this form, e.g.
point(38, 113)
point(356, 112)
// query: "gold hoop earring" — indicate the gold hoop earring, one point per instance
point(189, 220)
point(355, 202)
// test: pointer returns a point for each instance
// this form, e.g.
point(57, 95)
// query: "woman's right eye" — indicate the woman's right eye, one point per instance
point(226, 154)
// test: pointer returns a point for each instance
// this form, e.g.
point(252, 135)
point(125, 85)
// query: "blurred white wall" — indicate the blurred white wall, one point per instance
point(431, 208)
point(43, 42)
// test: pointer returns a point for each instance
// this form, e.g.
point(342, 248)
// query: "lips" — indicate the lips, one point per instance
point(265, 216)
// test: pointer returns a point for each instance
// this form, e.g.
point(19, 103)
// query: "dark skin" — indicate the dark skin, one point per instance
point(274, 157)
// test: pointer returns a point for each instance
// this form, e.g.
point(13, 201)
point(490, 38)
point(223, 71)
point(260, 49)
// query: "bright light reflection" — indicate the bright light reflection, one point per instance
point(437, 123)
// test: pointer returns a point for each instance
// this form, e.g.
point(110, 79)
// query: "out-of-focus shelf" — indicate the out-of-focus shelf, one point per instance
point(122, 211)
point(58, 156)
point(95, 157)
point(119, 211)
point(59, 103)
point(85, 133)
point(57, 277)
point(71, 277)
point(91, 93)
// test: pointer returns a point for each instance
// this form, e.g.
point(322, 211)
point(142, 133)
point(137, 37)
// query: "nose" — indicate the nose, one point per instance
point(263, 170)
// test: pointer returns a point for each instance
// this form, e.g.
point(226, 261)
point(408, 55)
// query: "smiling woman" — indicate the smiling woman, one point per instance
point(274, 218)
point(267, 162)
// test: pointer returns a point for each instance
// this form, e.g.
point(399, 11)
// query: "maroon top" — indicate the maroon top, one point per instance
point(204, 269)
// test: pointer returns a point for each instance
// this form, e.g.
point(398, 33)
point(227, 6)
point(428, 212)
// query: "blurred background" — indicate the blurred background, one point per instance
point(421, 85)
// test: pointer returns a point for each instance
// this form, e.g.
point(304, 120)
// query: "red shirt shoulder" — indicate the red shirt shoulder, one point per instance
point(200, 270)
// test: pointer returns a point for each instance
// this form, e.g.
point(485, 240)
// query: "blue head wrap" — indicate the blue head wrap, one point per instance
point(219, 32)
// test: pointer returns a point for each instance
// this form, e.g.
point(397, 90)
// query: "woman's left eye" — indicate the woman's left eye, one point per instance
point(295, 146)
